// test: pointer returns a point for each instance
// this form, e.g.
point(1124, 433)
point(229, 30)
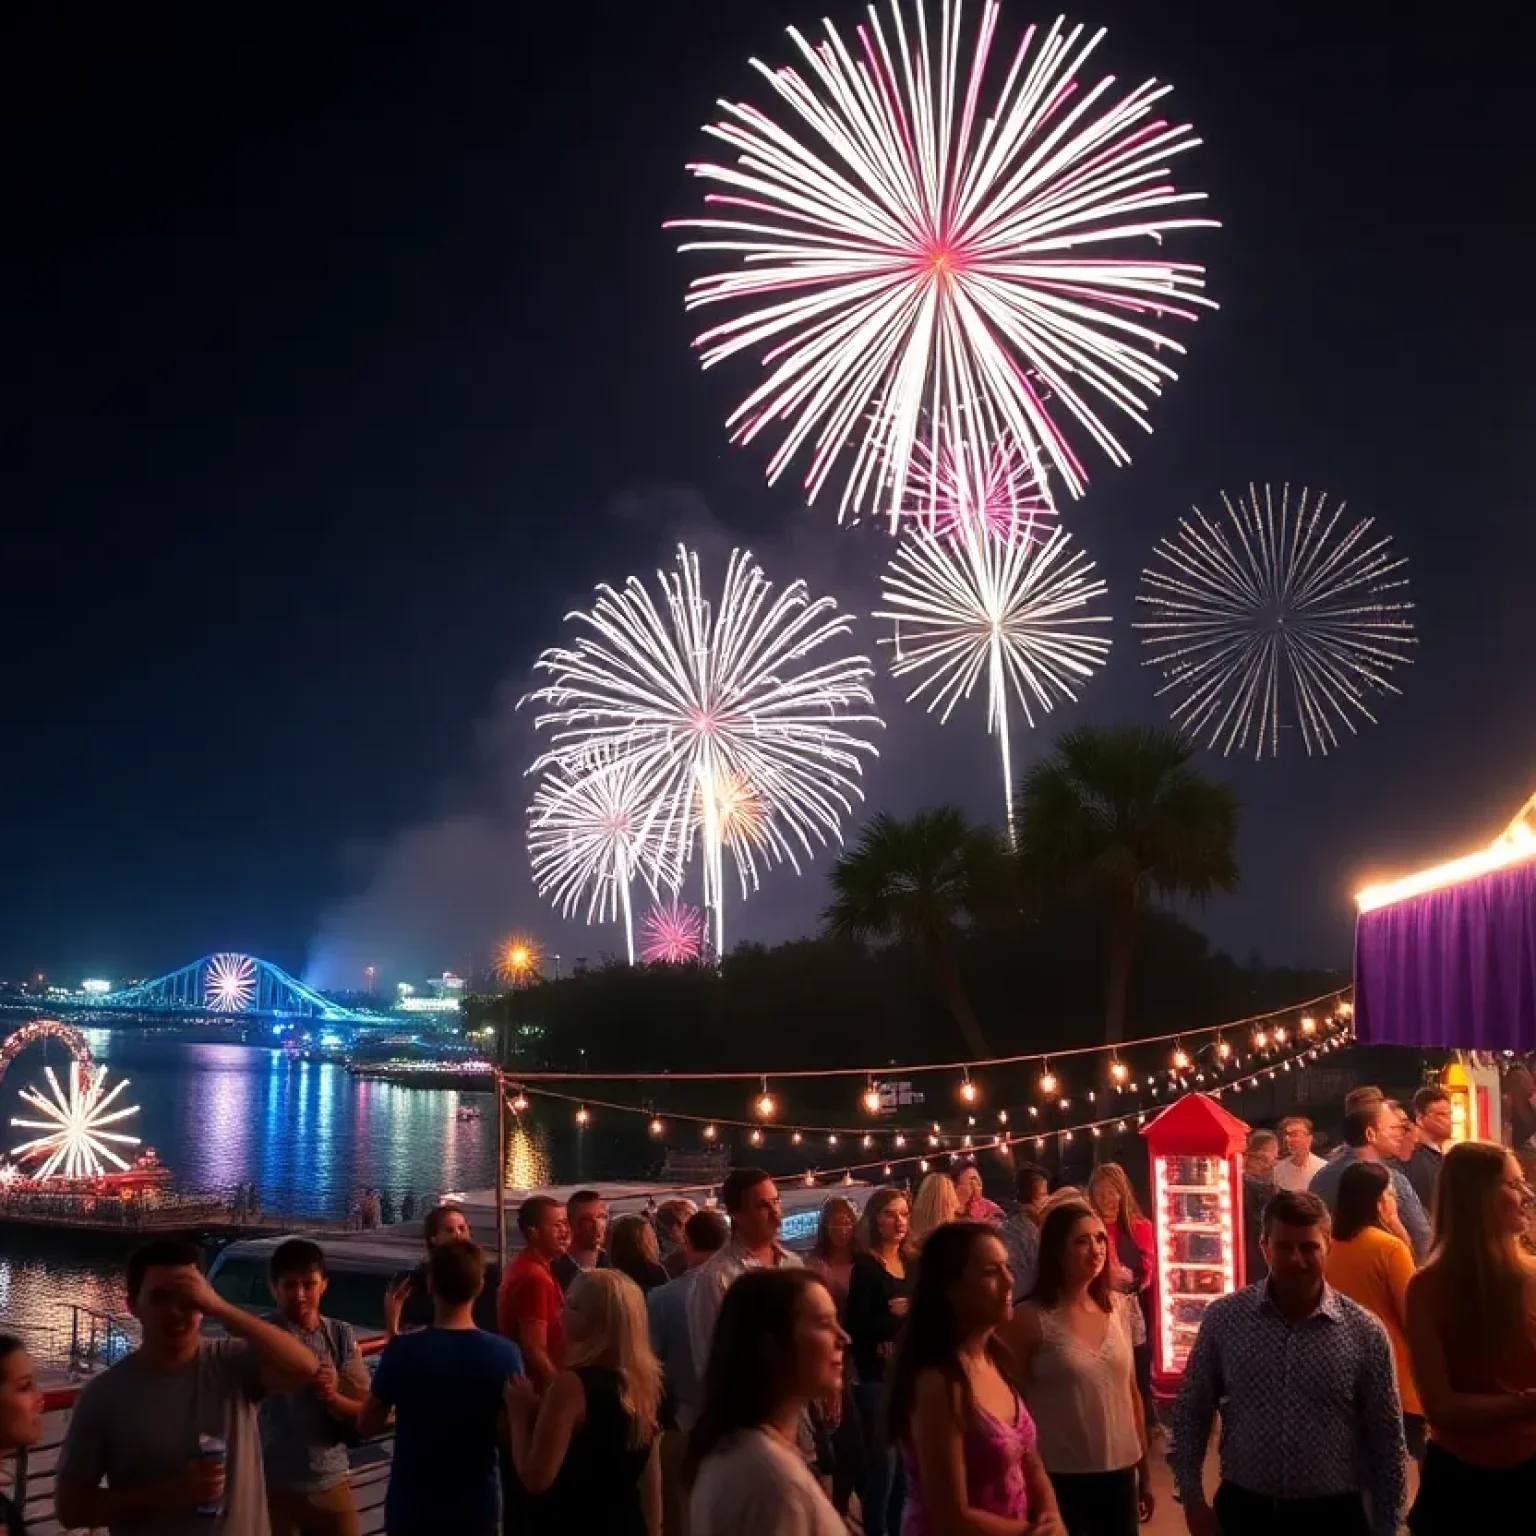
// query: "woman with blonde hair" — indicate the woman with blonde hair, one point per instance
point(587, 1449)
point(1472, 1344)
point(936, 1203)
point(634, 1251)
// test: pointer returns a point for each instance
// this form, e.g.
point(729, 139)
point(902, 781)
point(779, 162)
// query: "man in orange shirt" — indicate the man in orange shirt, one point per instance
point(530, 1306)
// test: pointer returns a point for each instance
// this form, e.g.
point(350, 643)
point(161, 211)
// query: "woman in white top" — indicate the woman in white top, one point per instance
point(777, 1348)
point(1073, 1340)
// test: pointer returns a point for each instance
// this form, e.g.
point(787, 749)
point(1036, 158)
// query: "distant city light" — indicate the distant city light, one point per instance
point(405, 989)
point(94, 987)
point(428, 1005)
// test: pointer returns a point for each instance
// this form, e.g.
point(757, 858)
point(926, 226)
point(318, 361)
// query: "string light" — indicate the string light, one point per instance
point(832, 1139)
point(870, 1099)
point(657, 1128)
point(583, 1117)
point(1118, 1072)
point(968, 1090)
point(1260, 1039)
point(767, 1106)
point(1308, 1025)
point(1223, 1048)
point(520, 1103)
point(1002, 1117)
point(887, 1170)
point(922, 1165)
point(756, 1138)
point(1280, 1034)
point(868, 1141)
point(1047, 1084)
point(1180, 1059)
point(901, 1140)
point(810, 1179)
point(710, 1133)
point(797, 1138)
point(933, 1141)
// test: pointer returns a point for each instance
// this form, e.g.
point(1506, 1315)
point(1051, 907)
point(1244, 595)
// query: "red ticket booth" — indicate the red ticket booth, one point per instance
point(1195, 1148)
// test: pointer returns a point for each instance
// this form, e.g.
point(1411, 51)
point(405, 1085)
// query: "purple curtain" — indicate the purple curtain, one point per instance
point(1452, 968)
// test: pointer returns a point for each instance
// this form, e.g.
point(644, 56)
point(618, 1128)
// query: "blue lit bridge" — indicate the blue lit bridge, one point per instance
point(228, 987)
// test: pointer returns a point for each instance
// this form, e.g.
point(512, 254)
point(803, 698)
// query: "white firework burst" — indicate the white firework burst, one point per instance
point(1012, 610)
point(903, 240)
point(1277, 615)
point(701, 697)
point(229, 984)
point(592, 830)
point(76, 1143)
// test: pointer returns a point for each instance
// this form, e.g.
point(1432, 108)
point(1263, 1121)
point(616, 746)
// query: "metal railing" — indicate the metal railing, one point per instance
point(36, 1465)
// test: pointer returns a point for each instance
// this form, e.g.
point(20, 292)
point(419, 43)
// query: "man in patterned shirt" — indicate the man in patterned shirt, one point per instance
point(1303, 1379)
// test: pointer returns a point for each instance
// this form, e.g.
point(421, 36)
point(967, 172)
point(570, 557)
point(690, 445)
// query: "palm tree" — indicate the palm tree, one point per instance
point(916, 881)
point(1116, 813)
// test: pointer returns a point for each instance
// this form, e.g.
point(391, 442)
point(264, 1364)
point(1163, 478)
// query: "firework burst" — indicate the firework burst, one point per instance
point(672, 934)
point(900, 241)
point(958, 480)
point(76, 1143)
point(591, 831)
point(1280, 614)
point(1015, 612)
point(698, 696)
point(229, 984)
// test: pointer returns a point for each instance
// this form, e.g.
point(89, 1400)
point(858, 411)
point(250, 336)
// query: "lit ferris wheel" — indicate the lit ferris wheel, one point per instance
point(229, 984)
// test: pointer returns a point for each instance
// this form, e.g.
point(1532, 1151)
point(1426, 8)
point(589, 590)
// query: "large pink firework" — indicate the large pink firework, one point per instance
point(922, 231)
point(672, 934)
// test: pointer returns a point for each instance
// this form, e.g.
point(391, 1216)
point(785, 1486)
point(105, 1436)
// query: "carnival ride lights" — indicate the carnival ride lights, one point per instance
point(76, 1143)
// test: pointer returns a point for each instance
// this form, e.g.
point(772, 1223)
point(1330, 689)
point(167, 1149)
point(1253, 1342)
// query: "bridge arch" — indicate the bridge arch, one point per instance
point(36, 1030)
point(231, 986)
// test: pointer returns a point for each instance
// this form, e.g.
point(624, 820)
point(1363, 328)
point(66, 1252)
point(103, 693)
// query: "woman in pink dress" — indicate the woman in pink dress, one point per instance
point(956, 1409)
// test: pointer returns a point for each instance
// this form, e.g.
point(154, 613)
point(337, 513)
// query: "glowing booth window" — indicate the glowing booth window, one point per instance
point(1195, 1148)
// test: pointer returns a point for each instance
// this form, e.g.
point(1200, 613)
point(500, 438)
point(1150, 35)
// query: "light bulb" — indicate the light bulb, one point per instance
point(933, 1141)
point(520, 1105)
point(1047, 1082)
point(1260, 1039)
point(709, 1133)
point(870, 1099)
point(796, 1138)
point(1118, 1071)
point(1309, 1025)
point(922, 1166)
point(901, 1140)
point(868, 1141)
point(1224, 1050)
point(968, 1092)
point(810, 1179)
point(1002, 1117)
point(657, 1128)
point(1280, 1035)
point(756, 1138)
point(767, 1106)
point(1180, 1059)
point(832, 1140)
point(583, 1117)
point(887, 1170)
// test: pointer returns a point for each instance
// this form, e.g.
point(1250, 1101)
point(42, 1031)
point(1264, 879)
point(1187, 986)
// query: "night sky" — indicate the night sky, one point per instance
point(346, 355)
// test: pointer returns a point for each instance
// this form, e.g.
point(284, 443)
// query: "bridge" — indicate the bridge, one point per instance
point(227, 987)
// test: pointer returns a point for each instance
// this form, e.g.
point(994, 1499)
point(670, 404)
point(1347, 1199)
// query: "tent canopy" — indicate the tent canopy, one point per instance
point(1446, 957)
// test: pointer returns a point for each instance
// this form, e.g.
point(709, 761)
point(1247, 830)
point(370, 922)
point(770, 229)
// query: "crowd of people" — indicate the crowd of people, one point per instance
point(936, 1366)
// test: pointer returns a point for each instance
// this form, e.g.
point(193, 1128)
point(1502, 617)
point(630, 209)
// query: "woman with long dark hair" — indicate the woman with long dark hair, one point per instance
point(1371, 1262)
point(21, 1418)
point(956, 1398)
point(1472, 1341)
point(1073, 1341)
point(877, 1302)
point(777, 1348)
point(1132, 1263)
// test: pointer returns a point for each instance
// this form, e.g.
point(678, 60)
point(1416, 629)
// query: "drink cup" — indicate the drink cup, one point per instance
point(211, 1448)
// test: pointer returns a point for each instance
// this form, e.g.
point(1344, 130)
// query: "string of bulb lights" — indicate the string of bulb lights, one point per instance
point(933, 1142)
point(1262, 1027)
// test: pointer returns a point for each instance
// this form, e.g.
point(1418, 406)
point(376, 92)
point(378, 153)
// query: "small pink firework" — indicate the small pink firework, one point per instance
point(957, 482)
point(672, 935)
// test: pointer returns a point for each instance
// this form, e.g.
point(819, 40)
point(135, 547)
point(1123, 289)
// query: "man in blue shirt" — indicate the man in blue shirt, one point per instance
point(445, 1385)
point(1373, 1134)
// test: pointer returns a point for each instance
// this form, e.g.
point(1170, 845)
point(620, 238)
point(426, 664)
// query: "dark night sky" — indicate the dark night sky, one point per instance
point(346, 355)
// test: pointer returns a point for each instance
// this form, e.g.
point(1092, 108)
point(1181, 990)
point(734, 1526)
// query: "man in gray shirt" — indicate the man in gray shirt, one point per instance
point(304, 1433)
point(151, 1425)
point(1372, 1134)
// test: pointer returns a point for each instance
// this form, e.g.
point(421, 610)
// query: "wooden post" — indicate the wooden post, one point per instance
point(501, 1165)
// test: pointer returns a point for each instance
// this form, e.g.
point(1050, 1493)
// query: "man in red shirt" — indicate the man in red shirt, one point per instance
point(530, 1305)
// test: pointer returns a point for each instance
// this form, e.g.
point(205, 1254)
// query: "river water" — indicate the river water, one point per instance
point(310, 1134)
